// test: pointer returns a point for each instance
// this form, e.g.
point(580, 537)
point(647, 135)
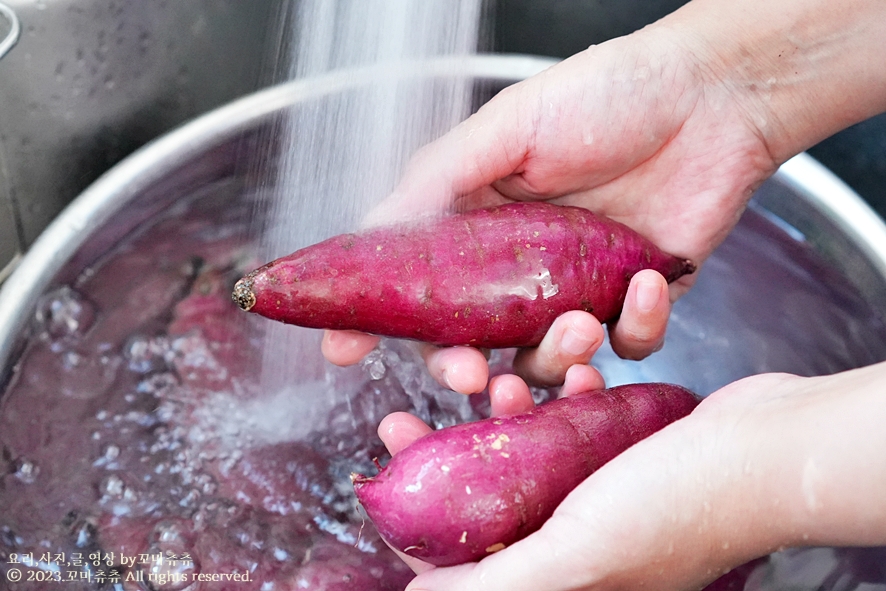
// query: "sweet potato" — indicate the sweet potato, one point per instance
point(463, 492)
point(492, 278)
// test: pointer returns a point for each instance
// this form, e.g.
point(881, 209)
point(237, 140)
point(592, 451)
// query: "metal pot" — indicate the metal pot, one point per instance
point(807, 247)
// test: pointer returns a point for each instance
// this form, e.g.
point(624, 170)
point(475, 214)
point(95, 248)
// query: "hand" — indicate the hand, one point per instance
point(767, 462)
point(630, 129)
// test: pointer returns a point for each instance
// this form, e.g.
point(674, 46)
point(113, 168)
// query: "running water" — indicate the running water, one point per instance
point(344, 152)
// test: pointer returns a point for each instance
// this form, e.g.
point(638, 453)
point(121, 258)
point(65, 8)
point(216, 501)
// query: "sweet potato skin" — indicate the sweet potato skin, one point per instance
point(495, 277)
point(463, 492)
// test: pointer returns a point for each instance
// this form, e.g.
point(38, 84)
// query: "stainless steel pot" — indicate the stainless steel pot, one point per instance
point(808, 246)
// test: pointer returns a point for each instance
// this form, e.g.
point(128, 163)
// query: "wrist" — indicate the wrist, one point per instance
point(838, 473)
point(799, 70)
point(808, 450)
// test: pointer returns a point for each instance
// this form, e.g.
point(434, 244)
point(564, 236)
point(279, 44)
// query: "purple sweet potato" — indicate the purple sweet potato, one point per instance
point(463, 492)
point(493, 278)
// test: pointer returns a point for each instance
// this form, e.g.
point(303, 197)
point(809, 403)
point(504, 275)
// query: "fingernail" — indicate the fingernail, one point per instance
point(444, 377)
point(574, 342)
point(648, 294)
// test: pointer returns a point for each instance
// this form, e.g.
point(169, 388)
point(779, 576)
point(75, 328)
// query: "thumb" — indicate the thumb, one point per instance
point(461, 165)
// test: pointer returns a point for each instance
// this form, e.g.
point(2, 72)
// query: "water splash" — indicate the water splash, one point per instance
point(342, 154)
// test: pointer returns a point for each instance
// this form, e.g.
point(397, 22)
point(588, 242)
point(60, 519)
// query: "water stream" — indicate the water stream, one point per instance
point(341, 155)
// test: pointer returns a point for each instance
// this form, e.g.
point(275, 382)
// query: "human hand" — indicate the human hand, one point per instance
point(628, 129)
point(668, 130)
point(767, 462)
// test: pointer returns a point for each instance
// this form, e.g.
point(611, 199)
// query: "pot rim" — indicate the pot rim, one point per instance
point(109, 193)
point(15, 29)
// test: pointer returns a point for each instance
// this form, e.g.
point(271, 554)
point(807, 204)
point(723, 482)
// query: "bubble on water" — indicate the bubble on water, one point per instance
point(146, 354)
point(65, 313)
point(190, 499)
point(25, 470)
point(193, 358)
point(169, 532)
point(166, 411)
point(84, 533)
point(112, 452)
point(71, 359)
point(159, 384)
point(9, 537)
point(113, 487)
point(109, 455)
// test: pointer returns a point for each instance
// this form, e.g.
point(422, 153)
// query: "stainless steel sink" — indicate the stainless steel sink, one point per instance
point(90, 81)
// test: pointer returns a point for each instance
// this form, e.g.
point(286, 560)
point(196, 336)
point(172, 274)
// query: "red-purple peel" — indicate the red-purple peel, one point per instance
point(494, 278)
point(463, 492)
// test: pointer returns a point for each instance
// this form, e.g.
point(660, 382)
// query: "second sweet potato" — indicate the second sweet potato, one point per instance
point(463, 492)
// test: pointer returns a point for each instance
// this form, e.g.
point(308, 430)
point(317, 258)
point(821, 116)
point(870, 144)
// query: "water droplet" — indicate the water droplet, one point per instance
point(26, 470)
point(374, 364)
point(169, 532)
point(190, 499)
point(70, 359)
point(65, 313)
point(112, 452)
point(113, 487)
point(84, 533)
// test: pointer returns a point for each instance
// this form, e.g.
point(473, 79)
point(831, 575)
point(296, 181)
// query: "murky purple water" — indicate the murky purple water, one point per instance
point(133, 426)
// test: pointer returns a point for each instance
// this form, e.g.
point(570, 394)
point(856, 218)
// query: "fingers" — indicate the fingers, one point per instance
point(640, 330)
point(509, 395)
point(572, 340)
point(463, 369)
point(347, 347)
point(581, 378)
point(399, 429)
